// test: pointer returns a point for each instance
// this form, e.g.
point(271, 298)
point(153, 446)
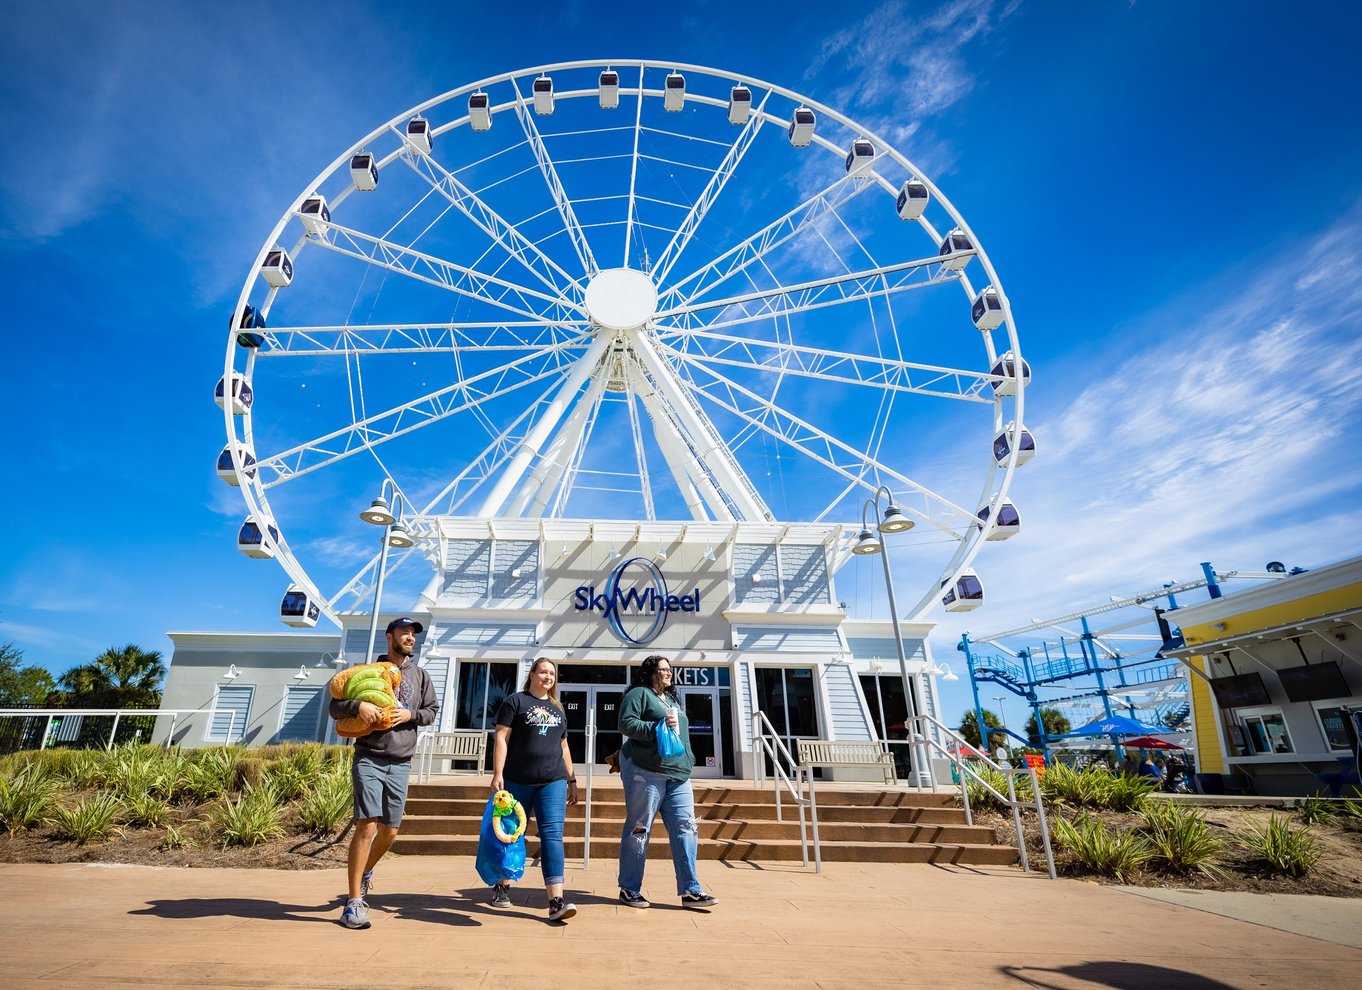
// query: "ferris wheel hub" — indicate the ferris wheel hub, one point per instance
point(621, 299)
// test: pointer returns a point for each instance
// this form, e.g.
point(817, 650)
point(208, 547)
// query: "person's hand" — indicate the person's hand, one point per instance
point(400, 715)
point(672, 719)
point(369, 713)
point(497, 783)
point(572, 792)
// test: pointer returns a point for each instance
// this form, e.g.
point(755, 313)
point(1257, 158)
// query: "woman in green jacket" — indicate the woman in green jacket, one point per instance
point(654, 783)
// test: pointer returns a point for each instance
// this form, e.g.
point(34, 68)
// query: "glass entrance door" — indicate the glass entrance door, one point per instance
point(706, 732)
point(605, 701)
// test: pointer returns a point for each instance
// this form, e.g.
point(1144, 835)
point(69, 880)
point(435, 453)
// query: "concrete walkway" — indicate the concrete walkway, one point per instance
point(856, 926)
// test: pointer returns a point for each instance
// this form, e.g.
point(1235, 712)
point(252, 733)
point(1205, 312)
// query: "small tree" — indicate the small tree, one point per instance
point(969, 729)
point(22, 684)
point(1054, 721)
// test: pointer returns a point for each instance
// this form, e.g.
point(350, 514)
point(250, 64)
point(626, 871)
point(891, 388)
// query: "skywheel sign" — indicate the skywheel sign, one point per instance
point(636, 612)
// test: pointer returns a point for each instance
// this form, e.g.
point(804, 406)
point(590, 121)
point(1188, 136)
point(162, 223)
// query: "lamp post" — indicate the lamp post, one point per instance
point(892, 520)
point(395, 534)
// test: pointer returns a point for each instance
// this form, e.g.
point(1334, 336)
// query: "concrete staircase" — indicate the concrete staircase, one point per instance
point(737, 823)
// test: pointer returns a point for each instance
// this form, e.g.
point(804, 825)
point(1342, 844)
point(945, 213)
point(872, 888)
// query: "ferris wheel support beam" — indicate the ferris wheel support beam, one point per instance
point(416, 338)
point(633, 171)
point(640, 455)
point(560, 197)
point(831, 366)
point(686, 229)
point(800, 432)
point(805, 296)
point(446, 274)
point(381, 427)
point(696, 485)
point(534, 440)
point(760, 244)
point(708, 445)
point(536, 492)
point(492, 224)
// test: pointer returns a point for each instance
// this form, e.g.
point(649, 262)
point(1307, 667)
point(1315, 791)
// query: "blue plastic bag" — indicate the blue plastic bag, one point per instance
point(669, 741)
point(500, 860)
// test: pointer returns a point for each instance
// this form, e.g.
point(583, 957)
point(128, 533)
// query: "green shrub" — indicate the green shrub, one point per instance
point(147, 810)
point(95, 818)
point(1293, 851)
point(249, 772)
point(980, 797)
point(26, 797)
point(252, 818)
point(1113, 854)
point(176, 836)
point(1351, 807)
point(210, 773)
point(1318, 810)
point(327, 805)
point(1180, 839)
point(1126, 793)
point(85, 770)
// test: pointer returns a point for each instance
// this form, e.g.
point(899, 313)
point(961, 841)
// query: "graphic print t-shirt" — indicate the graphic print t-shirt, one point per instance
point(534, 753)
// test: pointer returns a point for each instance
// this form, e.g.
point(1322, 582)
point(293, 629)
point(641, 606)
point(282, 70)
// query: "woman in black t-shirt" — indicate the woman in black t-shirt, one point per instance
point(531, 760)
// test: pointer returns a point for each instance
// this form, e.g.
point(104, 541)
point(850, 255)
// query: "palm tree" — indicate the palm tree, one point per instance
point(1056, 724)
point(120, 677)
point(969, 729)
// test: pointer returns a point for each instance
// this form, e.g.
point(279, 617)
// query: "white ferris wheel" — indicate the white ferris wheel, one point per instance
point(626, 290)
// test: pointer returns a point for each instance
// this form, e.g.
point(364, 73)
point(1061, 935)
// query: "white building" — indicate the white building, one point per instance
point(748, 613)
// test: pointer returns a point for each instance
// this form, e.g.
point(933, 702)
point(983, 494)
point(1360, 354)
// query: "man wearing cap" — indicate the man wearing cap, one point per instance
point(382, 765)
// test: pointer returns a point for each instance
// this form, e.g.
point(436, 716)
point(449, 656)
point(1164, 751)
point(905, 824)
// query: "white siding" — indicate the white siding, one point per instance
point(302, 715)
point(793, 639)
point(846, 713)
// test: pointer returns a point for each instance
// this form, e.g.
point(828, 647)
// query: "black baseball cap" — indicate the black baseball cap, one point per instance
point(403, 622)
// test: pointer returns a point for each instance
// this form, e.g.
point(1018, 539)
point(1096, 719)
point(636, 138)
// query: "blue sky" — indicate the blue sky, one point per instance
point(1170, 195)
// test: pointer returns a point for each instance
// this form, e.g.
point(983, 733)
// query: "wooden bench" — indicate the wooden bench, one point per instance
point(846, 753)
point(465, 744)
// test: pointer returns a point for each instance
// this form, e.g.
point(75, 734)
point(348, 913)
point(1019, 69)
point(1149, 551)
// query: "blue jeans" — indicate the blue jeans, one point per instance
point(645, 794)
point(548, 804)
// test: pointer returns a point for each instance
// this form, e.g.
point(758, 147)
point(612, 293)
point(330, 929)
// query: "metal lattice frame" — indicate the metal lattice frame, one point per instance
point(716, 367)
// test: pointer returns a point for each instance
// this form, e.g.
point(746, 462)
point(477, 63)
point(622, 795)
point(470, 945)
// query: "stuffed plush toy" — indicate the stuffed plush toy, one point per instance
point(501, 840)
point(375, 683)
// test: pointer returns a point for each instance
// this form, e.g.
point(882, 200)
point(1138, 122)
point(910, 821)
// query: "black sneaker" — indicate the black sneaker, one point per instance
point(700, 900)
point(501, 895)
point(559, 911)
point(633, 900)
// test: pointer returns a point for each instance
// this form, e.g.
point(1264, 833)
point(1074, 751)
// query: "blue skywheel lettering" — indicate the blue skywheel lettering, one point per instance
point(614, 604)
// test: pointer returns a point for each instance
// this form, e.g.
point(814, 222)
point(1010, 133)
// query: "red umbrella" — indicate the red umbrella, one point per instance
point(1149, 742)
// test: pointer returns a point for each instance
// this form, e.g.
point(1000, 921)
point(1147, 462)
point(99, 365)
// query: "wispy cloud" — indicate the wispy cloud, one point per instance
point(903, 68)
point(1239, 411)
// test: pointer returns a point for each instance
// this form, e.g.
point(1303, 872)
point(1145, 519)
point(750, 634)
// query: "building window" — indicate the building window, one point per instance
point(1333, 722)
point(482, 689)
point(1267, 733)
point(302, 715)
point(231, 712)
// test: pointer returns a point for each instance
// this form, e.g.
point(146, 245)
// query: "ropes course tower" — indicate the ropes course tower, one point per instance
point(625, 290)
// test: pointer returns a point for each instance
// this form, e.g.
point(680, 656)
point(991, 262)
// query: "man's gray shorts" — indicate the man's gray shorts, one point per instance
point(380, 788)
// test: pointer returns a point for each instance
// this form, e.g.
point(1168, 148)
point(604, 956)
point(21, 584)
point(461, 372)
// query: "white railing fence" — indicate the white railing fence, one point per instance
point(788, 777)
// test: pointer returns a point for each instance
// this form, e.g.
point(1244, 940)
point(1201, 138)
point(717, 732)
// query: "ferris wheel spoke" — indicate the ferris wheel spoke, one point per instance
point(421, 338)
point(754, 249)
point(372, 431)
point(629, 217)
point(448, 275)
point(818, 294)
point(775, 357)
point(681, 239)
point(494, 226)
point(854, 465)
point(560, 197)
point(466, 483)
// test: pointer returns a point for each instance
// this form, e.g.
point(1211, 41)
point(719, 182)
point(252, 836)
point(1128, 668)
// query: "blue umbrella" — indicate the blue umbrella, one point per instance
point(1118, 725)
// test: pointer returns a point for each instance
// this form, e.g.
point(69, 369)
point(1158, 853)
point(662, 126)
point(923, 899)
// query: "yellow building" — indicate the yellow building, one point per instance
point(1277, 682)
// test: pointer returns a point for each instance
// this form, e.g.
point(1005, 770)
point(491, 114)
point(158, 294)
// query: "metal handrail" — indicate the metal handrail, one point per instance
point(929, 740)
point(767, 741)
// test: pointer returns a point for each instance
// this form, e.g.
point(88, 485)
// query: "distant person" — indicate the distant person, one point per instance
point(382, 766)
point(654, 783)
point(531, 760)
point(1149, 770)
point(1129, 765)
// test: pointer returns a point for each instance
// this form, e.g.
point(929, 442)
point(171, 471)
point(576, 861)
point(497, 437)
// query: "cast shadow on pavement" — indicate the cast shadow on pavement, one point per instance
point(235, 907)
point(1116, 975)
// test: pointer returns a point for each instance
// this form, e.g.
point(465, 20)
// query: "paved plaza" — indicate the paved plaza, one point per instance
point(855, 926)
